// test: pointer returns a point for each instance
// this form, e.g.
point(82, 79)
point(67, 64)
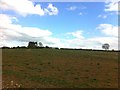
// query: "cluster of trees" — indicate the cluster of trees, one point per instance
point(35, 45)
point(30, 45)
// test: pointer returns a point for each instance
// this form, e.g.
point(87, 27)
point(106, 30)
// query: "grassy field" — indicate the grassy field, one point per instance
point(53, 68)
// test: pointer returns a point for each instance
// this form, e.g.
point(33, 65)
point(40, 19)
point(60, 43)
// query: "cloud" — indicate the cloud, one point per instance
point(82, 13)
point(72, 8)
point(26, 7)
point(102, 16)
point(80, 41)
point(77, 34)
point(91, 43)
point(111, 7)
point(108, 1)
point(108, 29)
point(112, 41)
point(12, 32)
point(51, 10)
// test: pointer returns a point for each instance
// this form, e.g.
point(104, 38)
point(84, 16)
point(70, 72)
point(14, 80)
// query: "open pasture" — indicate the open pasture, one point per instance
point(54, 68)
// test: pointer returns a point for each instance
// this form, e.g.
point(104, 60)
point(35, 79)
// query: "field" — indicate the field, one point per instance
point(54, 68)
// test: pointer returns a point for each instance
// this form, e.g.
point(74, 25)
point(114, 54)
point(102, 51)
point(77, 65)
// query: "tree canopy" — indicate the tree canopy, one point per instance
point(105, 46)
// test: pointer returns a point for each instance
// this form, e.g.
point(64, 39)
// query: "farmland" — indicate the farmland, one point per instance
point(54, 68)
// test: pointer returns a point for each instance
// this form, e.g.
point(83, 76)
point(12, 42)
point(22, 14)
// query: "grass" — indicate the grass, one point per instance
point(49, 80)
point(52, 68)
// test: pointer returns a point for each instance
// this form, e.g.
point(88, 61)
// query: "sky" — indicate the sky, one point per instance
point(86, 25)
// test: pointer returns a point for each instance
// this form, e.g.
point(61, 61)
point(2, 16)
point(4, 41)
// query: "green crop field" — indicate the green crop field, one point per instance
point(54, 68)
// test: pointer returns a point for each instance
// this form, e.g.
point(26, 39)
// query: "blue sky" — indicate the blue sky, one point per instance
point(68, 20)
point(59, 24)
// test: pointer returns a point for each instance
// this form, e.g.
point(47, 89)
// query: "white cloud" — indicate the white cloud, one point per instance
point(77, 34)
point(91, 43)
point(108, 29)
point(112, 41)
point(51, 41)
point(107, 1)
point(17, 30)
point(72, 8)
point(82, 13)
point(79, 41)
point(4, 19)
point(102, 16)
point(11, 32)
point(26, 7)
point(51, 10)
point(111, 7)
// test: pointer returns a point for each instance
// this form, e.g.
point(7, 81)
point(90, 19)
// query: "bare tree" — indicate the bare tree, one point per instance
point(105, 46)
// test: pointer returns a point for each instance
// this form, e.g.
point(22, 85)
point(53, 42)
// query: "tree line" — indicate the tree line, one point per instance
point(33, 45)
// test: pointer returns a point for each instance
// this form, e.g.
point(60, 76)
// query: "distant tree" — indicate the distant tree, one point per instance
point(32, 45)
point(40, 44)
point(22, 47)
point(113, 50)
point(105, 46)
point(5, 47)
point(46, 46)
point(18, 47)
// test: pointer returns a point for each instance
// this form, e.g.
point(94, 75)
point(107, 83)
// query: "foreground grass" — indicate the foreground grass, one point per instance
point(52, 68)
